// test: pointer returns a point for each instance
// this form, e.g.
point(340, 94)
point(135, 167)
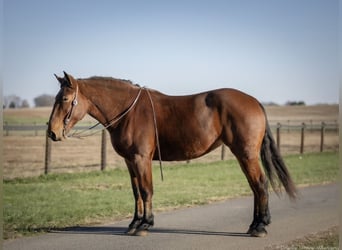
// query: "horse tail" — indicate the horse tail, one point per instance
point(274, 165)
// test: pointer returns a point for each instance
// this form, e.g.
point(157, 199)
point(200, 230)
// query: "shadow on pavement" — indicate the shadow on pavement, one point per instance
point(121, 231)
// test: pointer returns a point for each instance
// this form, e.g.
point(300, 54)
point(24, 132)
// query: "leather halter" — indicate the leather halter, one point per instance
point(73, 105)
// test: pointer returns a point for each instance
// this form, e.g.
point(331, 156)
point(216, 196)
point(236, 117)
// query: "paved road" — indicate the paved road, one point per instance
point(215, 226)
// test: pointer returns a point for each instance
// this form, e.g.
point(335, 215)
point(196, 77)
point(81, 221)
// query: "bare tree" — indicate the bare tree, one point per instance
point(12, 101)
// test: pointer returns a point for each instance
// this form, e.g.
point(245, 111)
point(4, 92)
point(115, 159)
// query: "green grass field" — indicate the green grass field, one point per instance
point(60, 200)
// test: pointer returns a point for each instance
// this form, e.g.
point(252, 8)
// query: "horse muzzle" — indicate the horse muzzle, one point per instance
point(56, 136)
point(53, 136)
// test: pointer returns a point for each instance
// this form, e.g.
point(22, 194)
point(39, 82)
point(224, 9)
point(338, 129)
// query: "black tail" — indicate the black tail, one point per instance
point(274, 165)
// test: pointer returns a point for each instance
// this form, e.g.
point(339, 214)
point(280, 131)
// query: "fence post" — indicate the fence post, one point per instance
point(302, 138)
point(35, 129)
point(322, 136)
point(47, 154)
point(103, 150)
point(278, 135)
point(223, 152)
point(7, 129)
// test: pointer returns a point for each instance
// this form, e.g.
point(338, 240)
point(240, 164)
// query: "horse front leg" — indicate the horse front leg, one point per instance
point(139, 204)
point(144, 166)
point(141, 179)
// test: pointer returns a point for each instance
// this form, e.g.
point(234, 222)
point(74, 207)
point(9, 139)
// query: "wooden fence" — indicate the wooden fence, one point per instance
point(279, 129)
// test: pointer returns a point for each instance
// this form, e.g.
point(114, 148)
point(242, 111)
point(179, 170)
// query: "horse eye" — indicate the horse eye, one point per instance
point(65, 99)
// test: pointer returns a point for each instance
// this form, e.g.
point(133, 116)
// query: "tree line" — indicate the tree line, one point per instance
point(13, 101)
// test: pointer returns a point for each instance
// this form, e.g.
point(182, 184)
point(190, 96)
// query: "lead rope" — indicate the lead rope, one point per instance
point(80, 135)
point(157, 137)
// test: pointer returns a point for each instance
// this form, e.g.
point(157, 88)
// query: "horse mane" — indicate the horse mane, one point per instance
point(104, 79)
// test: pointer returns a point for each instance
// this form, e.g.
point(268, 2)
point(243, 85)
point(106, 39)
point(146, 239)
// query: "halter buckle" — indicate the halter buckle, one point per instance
point(66, 121)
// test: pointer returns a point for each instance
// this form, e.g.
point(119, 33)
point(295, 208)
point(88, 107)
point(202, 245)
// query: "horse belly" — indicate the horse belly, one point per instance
point(183, 153)
point(195, 141)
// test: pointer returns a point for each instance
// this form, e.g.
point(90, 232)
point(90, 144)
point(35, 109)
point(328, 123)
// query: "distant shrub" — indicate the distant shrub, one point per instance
point(270, 104)
point(295, 103)
point(25, 104)
point(44, 100)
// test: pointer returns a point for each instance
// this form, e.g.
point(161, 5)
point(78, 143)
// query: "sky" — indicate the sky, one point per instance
point(276, 51)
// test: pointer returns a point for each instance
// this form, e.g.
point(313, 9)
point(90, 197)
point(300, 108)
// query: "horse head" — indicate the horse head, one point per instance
point(69, 107)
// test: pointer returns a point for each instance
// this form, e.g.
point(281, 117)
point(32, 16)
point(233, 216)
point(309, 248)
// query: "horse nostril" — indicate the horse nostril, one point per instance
point(52, 135)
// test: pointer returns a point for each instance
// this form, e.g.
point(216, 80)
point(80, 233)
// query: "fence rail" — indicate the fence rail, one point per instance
point(35, 128)
point(300, 131)
point(310, 125)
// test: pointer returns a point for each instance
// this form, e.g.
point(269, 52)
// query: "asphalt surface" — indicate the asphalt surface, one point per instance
point(216, 226)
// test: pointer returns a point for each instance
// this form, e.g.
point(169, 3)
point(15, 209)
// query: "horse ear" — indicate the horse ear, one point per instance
point(70, 81)
point(59, 79)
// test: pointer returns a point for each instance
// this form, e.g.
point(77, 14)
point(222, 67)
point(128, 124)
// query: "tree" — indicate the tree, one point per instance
point(12, 105)
point(25, 104)
point(44, 100)
point(12, 101)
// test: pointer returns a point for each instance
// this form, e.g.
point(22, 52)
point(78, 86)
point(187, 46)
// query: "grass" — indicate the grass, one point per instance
point(60, 200)
point(323, 240)
point(326, 240)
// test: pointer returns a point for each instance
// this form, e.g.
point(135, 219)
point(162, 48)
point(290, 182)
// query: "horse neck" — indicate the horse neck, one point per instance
point(107, 99)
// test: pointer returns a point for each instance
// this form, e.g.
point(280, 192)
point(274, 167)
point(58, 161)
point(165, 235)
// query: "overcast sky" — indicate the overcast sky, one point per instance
point(274, 50)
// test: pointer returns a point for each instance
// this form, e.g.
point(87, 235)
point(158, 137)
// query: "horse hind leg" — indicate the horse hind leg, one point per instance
point(259, 186)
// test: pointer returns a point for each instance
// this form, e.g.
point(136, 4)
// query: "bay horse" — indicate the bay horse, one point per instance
point(143, 121)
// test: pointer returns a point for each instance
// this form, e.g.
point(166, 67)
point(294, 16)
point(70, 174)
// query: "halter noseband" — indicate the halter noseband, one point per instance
point(73, 104)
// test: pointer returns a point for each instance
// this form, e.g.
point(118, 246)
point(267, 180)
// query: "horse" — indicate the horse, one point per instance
point(146, 125)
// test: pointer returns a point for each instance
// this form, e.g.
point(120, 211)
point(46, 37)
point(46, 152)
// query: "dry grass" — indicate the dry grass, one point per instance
point(328, 239)
point(24, 154)
point(31, 115)
point(303, 113)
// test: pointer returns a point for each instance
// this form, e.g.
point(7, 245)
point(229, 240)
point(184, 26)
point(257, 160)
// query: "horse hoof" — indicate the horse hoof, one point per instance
point(250, 230)
point(131, 231)
point(142, 232)
point(258, 232)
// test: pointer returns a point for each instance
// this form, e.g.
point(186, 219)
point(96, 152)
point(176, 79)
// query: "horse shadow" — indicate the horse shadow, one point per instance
point(120, 231)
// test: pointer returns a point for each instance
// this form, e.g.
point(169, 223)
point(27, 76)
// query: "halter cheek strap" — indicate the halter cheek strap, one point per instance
point(73, 105)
